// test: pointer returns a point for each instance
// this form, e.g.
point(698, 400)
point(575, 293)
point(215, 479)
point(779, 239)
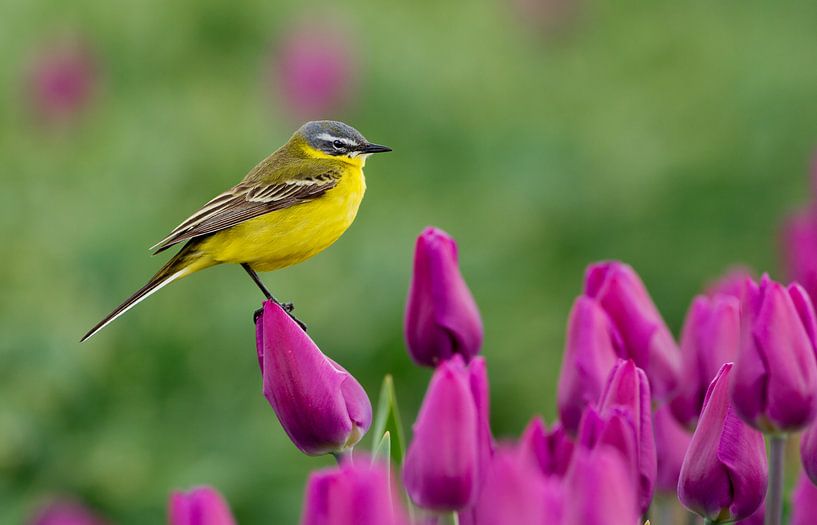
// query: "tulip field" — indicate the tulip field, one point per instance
point(580, 290)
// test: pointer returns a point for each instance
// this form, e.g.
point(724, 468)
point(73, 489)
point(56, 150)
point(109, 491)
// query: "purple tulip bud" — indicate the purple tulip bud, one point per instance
point(710, 338)
point(62, 80)
point(321, 406)
point(355, 493)
point(590, 354)
point(804, 502)
point(775, 385)
point(758, 517)
point(442, 318)
point(316, 71)
point(515, 493)
point(808, 452)
point(671, 443)
point(551, 451)
point(646, 338)
point(441, 467)
point(65, 512)
point(724, 474)
point(733, 283)
point(628, 388)
point(199, 506)
point(478, 381)
point(600, 486)
point(799, 246)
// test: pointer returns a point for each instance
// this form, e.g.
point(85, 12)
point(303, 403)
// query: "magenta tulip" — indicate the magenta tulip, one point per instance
point(322, 408)
point(316, 70)
point(62, 80)
point(808, 452)
point(645, 337)
point(66, 512)
point(733, 283)
point(671, 443)
point(199, 506)
point(775, 384)
point(600, 489)
point(355, 493)
point(442, 319)
point(590, 354)
point(799, 239)
point(515, 493)
point(710, 338)
point(758, 517)
point(551, 451)
point(441, 468)
point(628, 388)
point(804, 502)
point(723, 477)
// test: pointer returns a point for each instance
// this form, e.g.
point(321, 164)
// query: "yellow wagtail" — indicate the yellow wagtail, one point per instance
point(291, 206)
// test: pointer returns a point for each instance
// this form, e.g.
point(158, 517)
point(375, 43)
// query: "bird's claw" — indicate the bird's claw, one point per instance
point(287, 307)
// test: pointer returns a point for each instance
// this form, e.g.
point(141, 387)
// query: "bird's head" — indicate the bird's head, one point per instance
point(331, 138)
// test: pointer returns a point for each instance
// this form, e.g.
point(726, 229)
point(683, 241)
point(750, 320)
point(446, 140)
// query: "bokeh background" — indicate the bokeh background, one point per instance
point(542, 134)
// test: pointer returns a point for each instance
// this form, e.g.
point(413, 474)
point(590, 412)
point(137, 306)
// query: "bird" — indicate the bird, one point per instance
point(291, 206)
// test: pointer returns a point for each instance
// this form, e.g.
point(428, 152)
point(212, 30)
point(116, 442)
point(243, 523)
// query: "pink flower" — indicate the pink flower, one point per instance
point(199, 506)
point(66, 512)
point(62, 80)
point(671, 443)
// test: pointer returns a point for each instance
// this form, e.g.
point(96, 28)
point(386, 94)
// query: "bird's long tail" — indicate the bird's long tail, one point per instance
point(183, 263)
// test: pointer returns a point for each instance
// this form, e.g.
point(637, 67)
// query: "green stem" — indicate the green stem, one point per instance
point(708, 521)
point(774, 495)
point(343, 456)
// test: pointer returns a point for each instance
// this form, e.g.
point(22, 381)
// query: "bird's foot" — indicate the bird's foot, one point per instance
point(287, 307)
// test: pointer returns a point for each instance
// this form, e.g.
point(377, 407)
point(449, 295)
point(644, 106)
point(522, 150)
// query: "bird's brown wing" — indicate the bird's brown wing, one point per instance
point(247, 201)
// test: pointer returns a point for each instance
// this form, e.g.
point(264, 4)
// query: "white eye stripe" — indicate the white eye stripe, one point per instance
point(331, 138)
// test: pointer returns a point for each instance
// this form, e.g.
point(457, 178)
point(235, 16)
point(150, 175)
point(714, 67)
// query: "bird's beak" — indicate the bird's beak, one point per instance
point(374, 148)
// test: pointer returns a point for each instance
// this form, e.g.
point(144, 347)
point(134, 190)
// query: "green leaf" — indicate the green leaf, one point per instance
point(382, 451)
point(387, 420)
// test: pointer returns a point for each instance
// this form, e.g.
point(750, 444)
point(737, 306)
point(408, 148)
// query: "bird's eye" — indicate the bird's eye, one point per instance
point(338, 144)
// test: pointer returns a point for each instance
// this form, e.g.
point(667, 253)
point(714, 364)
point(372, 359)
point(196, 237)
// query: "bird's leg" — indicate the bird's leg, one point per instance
point(287, 307)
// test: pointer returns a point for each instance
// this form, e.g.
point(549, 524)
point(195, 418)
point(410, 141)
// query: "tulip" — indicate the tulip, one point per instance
point(601, 489)
point(354, 493)
point(65, 512)
point(590, 354)
point(199, 506)
point(515, 493)
point(804, 502)
point(775, 385)
point(645, 337)
point(551, 451)
point(441, 466)
point(62, 80)
point(442, 319)
point(799, 246)
point(671, 443)
point(808, 452)
point(710, 338)
point(315, 70)
point(732, 283)
point(758, 517)
point(628, 388)
point(478, 381)
point(322, 408)
point(723, 477)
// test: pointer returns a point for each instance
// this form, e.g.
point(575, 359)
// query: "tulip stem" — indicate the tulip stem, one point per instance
point(774, 495)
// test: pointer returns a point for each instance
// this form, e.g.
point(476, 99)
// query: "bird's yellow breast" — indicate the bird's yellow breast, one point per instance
point(289, 236)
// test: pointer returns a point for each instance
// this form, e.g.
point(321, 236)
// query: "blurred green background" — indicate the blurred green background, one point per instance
point(542, 134)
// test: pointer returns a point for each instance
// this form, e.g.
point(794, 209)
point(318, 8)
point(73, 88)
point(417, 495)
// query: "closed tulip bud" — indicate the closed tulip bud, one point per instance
point(733, 283)
point(644, 334)
point(804, 502)
point(758, 517)
point(322, 408)
point(671, 443)
point(355, 493)
point(551, 451)
point(199, 506)
point(590, 354)
point(628, 388)
point(65, 512)
point(808, 452)
point(442, 319)
point(723, 477)
point(600, 489)
point(478, 381)
point(710, 338)
point(775, 385)
point(441, 466)
point(515, 493)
